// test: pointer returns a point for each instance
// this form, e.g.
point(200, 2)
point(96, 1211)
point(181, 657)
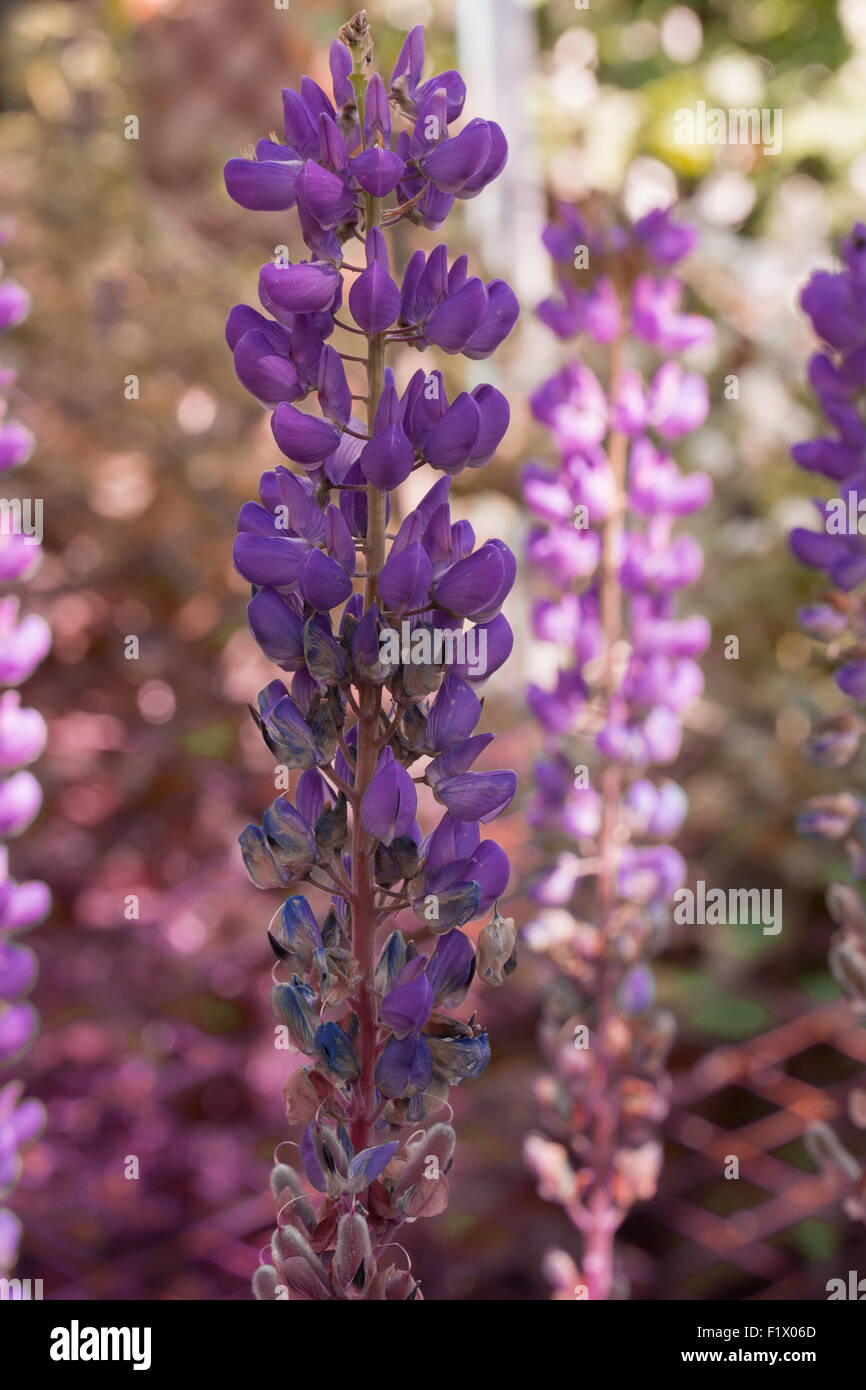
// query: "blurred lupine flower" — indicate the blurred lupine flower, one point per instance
point(836, 305)
point(23, 644)
point(605, 539)
point(392, 680)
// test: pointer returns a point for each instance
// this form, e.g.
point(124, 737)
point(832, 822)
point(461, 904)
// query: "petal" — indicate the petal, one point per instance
point(269, 377)
point(501, 315)
point(378, 171)
point(405, 579)
point(277, 628)
point(303, 288)
point(303, 438)
point(263, 186)
point(374, 300)
point(452, 440)
point(324, 583)
point(454, 322)
point(477, 796)
point(495, 417)
point(388, 458)
point(335, 396)
point(406, 1007)
point(452, 164)
point(324, 195)
point(270, 560)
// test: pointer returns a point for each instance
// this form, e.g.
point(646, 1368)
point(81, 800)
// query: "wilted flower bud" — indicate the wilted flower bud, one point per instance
point(848, 964)
point(831, 1156)
point(303, 1094)
point(497, 943)
point(549, 1162)
point(353, 1265)
point(459, 1052)
point(847, 908)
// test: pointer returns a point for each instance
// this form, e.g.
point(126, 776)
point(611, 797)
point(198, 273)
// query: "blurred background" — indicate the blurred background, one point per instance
point(156, 1036)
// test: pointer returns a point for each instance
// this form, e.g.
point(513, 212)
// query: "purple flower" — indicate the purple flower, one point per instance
point(382, 693)
point(606, 526)
point(23, 644)
point(374, 299)
point(405, 1067)
point(835, 305)
point(304, 288)
point(388, 805)
point(406, 1007)
point(451, 968)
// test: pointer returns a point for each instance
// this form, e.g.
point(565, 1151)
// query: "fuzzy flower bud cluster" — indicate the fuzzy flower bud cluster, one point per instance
point(385, 628)
point(24, 641)
point(606, 537)
point(835, 302)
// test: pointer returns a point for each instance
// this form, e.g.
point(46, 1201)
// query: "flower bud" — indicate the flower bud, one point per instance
point(497, 943)
point(829, 817)
point(292, 1006)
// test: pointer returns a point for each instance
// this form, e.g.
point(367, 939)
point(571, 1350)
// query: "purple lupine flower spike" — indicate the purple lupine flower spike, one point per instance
point(835, 305)
point(23, 644)
point(380, 678)
point(605, 537)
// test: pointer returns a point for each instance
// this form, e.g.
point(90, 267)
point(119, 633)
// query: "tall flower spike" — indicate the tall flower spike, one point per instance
point(605, 539)
point(23, 644)
point(837, 618)
point(387, 681)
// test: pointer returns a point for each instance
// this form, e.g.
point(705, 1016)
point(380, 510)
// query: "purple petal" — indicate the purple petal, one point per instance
point(404, 1068)
point(389, 804)
point(271, 560)
point(335, 396)
point(405, 579)
point(324, 583)
point(378, 171)
point(20, 801)
point(16, 445)
point(388, 458)
point(451, 968)
point(451, 441)
point(303, 438)
point(452, 164)
point(500, 317)
point(277, 628)
point(307, 287)
point(495, 416)
point(477, 796)
point(324, 195)
point(263, 186)
point(269, 377)
point(406, 1007)
point(374, 300)
point(455, 321)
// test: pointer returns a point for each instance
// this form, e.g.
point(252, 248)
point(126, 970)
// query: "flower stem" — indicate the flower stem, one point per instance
point(601, 1208)
point(364, 919)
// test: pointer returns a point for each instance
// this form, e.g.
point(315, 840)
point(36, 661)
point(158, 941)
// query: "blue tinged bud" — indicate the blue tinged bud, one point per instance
point(336, 1053)
point(292, 1006)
